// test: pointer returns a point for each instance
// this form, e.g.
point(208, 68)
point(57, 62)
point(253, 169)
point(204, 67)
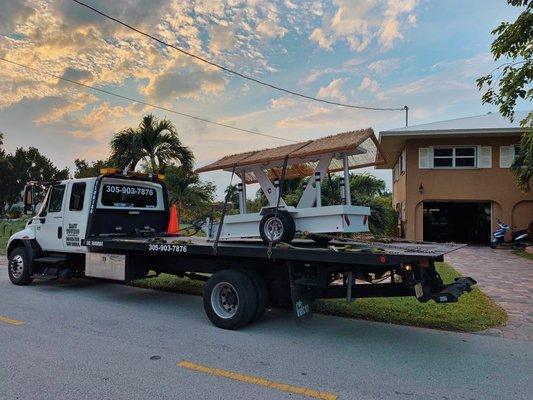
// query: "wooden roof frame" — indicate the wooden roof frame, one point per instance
point(301, 153)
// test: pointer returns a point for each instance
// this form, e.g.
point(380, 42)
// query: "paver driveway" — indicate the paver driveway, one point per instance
point(507, 279)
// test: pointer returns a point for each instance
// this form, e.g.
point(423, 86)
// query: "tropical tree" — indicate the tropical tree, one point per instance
point(193, 197)
point(21, 167)
point(232, 194)
point(155, 141)
point(87, 169)
point(514, 44)
point(6, 174)
point(366, 190)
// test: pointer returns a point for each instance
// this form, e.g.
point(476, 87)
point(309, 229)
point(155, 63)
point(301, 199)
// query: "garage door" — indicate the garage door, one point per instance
point(459, 222)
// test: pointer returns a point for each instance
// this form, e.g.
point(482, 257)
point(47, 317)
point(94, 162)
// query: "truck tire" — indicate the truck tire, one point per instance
point(263, 295)
point(277, 228)
point(19, 267)
point(230, 299)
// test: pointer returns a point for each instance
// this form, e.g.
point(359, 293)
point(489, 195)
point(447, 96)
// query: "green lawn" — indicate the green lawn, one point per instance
point(523, 253)
point(474, 311)
point(7, 228)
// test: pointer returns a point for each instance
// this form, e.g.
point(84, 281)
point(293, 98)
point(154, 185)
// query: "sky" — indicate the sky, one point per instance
point(425, 54)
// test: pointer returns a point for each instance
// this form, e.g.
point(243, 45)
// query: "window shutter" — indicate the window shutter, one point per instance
point(506, 156)
point(403, 161)
point(484, 156)
point(424, 157)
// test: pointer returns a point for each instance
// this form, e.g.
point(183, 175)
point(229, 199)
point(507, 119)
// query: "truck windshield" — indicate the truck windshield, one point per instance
point(123, 195)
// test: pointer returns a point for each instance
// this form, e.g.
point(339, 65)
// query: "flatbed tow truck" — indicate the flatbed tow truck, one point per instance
point(114, 227)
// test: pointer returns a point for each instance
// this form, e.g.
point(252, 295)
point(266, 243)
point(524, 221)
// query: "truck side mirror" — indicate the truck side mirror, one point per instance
point(28, 200)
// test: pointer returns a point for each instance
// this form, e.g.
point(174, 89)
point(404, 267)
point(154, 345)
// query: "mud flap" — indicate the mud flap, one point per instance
point(301, 300)
point(451, 292)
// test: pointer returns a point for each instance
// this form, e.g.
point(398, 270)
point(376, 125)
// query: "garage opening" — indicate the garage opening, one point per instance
point(460, 222)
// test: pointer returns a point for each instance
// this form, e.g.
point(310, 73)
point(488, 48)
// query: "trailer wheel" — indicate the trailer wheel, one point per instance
point(277, 228)
point(230, 299)
point(19, 267)
point(263, 295)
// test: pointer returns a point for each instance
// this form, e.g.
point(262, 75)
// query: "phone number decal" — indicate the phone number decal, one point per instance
point(172, 248)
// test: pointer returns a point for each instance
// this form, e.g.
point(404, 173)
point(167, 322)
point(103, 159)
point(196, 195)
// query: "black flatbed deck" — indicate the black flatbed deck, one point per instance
point(350, 252)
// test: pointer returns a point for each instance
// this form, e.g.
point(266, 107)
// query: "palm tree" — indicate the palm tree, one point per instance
point(232, 194)
point(155, 141)
point(193, 197)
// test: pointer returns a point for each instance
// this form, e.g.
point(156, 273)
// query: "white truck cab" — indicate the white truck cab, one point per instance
point(110, 205)
point(61, 222)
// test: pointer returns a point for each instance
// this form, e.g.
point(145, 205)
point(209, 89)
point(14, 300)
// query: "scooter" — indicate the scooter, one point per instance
point(518, 238)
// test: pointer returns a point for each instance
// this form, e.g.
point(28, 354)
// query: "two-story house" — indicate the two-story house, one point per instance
point(451, 179)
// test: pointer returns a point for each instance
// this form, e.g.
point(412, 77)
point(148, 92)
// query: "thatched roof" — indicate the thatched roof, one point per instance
point(361, 146)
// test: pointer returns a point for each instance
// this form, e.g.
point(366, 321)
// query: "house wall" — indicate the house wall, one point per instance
point(495, 184)
point(399, 196)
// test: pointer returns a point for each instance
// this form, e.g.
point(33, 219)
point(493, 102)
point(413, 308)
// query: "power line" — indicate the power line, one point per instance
point(145, 103)
point(231, 71)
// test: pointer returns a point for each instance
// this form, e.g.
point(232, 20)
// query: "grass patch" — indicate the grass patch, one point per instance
point(523, 253)
point(7, 228)
point(171, 283)
point(474, 311)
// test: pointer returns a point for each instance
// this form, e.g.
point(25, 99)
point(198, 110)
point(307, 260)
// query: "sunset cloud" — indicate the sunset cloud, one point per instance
point(333, 90)
point(365, 52)
point(359, 22)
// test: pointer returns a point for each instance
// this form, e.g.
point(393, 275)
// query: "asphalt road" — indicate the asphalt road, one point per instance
point(86, 339)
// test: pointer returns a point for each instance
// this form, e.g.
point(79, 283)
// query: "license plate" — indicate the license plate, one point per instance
point(418, 290)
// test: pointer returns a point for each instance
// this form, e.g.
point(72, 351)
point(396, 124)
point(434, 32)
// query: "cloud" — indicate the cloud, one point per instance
point(221, 38)
point(282, 102)
point(14, 12)
point(385, 66)
point(78, 75)
point(184, 79)
point(391, 27)
point(270, 29)
point(368, 84)
point(359, 22)
point(333, 90)
point(322, 39)
point(449, 83)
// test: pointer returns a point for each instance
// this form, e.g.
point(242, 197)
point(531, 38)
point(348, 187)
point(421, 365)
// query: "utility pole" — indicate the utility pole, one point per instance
point(406, 115)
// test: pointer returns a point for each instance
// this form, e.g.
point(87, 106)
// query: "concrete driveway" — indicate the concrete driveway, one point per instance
point(507, 279)
point(86, 339)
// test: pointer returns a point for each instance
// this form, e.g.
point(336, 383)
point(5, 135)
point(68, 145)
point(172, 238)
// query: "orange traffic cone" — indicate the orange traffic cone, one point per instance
point(174, 222)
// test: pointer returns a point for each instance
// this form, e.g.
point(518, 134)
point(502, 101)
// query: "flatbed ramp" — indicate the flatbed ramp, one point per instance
point(343, 251)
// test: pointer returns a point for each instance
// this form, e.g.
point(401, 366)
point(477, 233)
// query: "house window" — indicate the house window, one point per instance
point(443, 158)
point(507, 155)
point(454, 157)
point(402, 162)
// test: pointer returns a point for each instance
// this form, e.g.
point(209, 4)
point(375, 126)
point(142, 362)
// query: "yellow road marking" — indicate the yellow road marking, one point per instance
point(11, 321)
point(284, 387)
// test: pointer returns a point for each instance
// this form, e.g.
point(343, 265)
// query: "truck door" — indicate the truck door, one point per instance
point(75, 216)
point(49, 224)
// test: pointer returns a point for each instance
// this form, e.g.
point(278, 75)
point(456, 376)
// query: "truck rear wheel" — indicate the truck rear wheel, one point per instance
point(262, 294)
point(230, 299)
point(19, 267)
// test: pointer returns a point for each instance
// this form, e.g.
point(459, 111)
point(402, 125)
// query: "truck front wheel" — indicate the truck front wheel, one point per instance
point(230, 299)
point(19, 267)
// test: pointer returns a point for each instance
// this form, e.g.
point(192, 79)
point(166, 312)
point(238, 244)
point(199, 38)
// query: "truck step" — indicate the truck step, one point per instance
point(50, 260)
point(52, 273)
